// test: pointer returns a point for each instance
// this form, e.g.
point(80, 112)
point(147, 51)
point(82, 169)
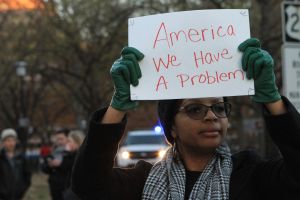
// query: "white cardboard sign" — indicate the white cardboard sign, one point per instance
point(190, 54)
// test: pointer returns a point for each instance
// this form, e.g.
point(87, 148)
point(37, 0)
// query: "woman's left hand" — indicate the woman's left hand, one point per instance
point(259, 65)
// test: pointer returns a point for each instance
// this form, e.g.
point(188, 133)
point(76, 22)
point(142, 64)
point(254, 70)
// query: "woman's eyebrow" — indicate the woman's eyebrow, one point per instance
point(199, 101)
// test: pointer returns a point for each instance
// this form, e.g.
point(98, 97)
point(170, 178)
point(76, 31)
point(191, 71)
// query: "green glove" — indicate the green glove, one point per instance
point(125, 71)
point(259, 65)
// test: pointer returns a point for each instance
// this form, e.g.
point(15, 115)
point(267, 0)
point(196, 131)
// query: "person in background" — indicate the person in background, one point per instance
point(75, 139)
point(51, 165)
point(199, 165)
point(15, 175)
point(45, 150)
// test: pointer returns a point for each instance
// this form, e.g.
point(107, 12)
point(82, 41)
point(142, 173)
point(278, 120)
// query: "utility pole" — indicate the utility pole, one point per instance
point(23, 122)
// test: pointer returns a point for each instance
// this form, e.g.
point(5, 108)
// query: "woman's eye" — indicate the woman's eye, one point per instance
point(219, 108)
point(195, 109)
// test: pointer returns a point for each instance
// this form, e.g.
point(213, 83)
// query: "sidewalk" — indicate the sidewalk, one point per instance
point(39, 188)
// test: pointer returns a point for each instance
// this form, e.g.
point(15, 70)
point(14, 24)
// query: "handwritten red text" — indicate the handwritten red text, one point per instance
point(171, 61)
point(210, 57)
point(206, 78)
point(164, 37)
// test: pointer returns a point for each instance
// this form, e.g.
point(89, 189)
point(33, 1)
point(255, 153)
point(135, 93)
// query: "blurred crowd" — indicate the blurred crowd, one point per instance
point(55, 159)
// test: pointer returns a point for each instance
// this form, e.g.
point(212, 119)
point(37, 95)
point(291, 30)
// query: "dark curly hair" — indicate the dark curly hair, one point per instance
point(167, 110)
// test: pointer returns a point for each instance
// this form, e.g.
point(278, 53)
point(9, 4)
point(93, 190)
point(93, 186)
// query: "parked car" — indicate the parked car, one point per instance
point(145, 145)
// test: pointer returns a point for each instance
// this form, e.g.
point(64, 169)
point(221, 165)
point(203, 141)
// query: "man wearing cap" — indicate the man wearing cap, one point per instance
point(15, 176)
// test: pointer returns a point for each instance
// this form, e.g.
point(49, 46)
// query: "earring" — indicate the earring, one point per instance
point(174, 152)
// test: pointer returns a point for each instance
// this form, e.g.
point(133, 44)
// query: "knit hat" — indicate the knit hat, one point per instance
point(167, 110)
point(9, 132)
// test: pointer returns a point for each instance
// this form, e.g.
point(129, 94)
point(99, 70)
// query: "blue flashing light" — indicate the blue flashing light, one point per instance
point(157, 129)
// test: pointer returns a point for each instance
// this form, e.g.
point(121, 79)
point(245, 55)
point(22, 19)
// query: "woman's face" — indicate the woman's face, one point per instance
point(199, 135)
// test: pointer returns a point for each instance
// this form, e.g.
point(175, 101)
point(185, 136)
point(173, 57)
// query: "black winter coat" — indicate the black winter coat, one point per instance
point(57, 175)
point(67, 165)
point(14, 181)
point(60, 177)
point(252, 178)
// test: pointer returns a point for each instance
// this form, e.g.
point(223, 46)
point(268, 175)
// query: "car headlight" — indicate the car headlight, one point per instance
point(125, 155)
point(161, 153)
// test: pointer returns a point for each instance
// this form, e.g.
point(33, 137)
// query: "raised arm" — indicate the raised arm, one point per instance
point(280, 177)
point(125, 71)
point(259, 65)
point(112, 116)
point(93, 175)
point(276, 108)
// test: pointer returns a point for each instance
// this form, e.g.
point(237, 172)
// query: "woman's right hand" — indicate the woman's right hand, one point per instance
point(125, 71)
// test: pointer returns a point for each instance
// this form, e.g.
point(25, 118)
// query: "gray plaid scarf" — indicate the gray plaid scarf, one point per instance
point(166, 180)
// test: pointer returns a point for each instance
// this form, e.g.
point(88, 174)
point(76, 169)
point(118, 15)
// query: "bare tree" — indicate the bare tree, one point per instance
point(71, 44)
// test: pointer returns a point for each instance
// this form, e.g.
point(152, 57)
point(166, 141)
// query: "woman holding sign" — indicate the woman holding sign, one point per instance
point(199, 164)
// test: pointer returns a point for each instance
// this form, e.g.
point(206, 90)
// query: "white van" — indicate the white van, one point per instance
point(145, 145)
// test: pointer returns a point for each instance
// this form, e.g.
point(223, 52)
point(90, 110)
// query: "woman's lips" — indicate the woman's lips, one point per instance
point(210, 133)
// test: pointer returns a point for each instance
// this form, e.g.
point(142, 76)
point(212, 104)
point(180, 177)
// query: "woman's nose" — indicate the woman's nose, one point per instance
point(210, 115)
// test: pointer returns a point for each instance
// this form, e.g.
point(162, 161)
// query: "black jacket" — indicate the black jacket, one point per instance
point(67, 165)
point(60, 176)
point(14, 181)
point(252, 178)
point(57, 175)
